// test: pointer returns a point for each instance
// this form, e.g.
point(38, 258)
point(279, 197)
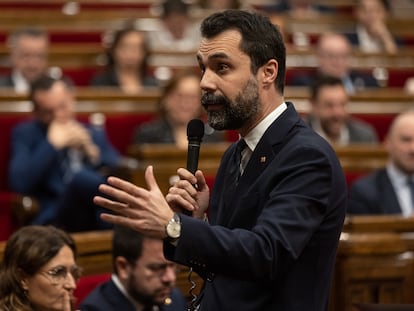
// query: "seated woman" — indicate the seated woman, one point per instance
point(126, 68)
point(38, 271)
point(180, 102)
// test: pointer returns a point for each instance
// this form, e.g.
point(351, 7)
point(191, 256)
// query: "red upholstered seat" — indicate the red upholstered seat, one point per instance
point(87, 283)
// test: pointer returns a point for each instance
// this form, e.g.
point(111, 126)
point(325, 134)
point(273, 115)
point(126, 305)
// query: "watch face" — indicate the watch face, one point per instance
point(174, 230)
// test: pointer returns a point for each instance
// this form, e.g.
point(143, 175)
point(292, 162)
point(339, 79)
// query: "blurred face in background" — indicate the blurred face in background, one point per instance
point(329, 107)
point(177, 24)
point(57, 103)
point(400, 142)
point(370, 12)
point(183, 102)
point(29, 56)
point(334, 55)
point(130, 50)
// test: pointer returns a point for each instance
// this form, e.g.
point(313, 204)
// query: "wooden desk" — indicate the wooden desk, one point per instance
point(166, 159)
point(112, 100)
point(375, 262)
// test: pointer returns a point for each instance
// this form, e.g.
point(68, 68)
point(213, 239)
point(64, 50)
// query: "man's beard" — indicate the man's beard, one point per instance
point(234, 114)
point(145, 299)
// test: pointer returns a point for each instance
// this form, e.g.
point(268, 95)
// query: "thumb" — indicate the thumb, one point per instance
point(150, 179)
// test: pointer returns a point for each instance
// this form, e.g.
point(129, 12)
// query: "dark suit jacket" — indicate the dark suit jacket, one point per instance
point(359, 80)
point(107, 297)
point(38, 169)
point(110, 78)
point(359, 131)
point(6, 81)
point(160, 131)
point(273, 246)
point(373, 194)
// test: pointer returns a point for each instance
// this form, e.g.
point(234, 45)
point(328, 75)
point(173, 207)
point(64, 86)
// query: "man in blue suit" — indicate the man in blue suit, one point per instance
point(142, 280)
point(57, 160)
point(276, 216)
point(389, 190)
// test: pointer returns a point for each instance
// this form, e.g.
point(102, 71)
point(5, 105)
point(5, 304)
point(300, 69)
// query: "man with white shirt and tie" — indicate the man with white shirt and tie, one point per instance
point(389, 190)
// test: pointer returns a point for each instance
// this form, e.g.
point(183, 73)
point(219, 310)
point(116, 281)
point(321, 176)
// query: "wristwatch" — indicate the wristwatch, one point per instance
point(173, 228)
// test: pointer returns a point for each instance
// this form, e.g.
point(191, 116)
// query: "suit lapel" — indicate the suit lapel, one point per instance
point(265, 152)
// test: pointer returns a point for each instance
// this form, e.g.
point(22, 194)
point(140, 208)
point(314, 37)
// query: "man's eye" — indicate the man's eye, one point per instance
point(222, 67)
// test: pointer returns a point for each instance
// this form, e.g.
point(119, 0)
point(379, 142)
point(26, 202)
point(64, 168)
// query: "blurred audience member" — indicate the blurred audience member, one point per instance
point(177, 31)
point(127, 67)
point(389, 190)
point(329, 116)
point(39, 270)
point(142, 278)
point(372, 34)
point(333, 54)
point(179, 103)
point(29, 49)
point(409, 85)
point(298, 8)
point(57, 160)
point(218, 5)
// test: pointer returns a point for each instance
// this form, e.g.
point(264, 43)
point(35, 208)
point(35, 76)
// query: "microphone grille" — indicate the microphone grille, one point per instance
point(195, 129)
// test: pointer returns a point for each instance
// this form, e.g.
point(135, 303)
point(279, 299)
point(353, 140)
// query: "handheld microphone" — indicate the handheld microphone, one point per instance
point(195, 133)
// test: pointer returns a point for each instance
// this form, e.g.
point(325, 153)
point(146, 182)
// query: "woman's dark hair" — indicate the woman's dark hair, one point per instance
point(116, 39)
point(261, 40)
point(27, 251)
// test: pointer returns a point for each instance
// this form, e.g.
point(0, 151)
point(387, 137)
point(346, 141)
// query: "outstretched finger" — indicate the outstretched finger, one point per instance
point(150, 179)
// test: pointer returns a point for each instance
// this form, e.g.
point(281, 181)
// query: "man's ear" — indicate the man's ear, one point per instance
point(270, 71)
point(122, 267)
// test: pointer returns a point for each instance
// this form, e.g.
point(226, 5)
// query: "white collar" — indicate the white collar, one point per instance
point(253, 137)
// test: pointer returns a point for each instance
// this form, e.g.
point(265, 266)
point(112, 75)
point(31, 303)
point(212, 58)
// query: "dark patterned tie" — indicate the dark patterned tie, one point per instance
point(236, 159)
point(232, 178)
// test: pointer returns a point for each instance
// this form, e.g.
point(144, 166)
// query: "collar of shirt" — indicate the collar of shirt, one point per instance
point(137, 306)
point(20, 83)
point(366, 42)
point(402, 190)
point(343, 135)
point(253, 137)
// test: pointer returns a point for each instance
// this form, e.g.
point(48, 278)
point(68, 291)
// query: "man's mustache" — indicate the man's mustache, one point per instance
point(211, 99)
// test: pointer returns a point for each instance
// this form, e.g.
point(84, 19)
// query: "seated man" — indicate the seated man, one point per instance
point(57, 160)
point(329, 116)
point(142, 278)
point(389, 190)
point(333, 56)
point(29, 49)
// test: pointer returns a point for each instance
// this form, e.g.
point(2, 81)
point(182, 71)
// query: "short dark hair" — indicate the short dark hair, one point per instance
point(261, 40)
point(322, 81)
point(170, 7)
point(126, 243)
point(44, 83)
point(27, 31)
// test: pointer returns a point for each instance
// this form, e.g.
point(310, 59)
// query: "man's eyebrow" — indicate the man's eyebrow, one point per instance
point(214, 56)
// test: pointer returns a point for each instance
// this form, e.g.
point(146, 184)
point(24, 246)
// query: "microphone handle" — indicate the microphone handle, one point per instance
point(192, 162)
point(192, 156)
